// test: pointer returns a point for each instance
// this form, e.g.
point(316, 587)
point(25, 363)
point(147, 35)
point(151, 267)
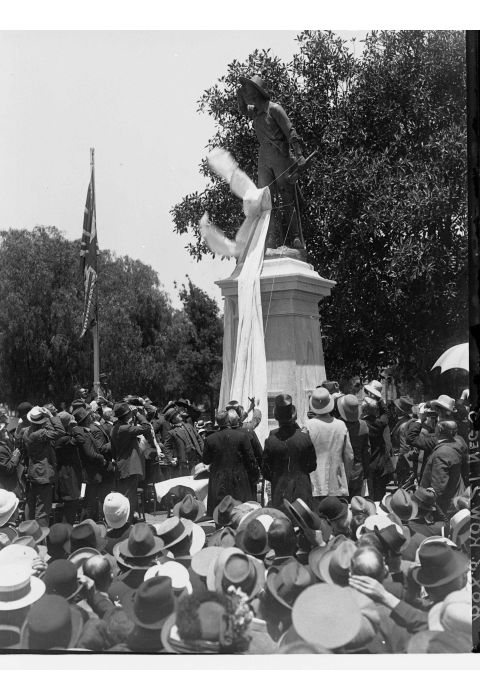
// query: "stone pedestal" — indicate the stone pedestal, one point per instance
point(291, 291)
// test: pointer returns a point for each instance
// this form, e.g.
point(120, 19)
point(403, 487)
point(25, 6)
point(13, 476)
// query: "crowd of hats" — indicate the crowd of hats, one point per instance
point(250, 579)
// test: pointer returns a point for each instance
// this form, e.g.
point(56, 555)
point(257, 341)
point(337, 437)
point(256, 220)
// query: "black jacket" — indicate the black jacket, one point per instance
point(233, 466)
point(288, 459)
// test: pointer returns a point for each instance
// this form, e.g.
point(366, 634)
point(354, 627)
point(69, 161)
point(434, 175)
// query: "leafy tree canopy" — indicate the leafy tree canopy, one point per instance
point(385, 197)
point(144, 341)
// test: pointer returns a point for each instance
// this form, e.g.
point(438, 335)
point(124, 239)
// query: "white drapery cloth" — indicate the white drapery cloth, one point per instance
point(249, 375)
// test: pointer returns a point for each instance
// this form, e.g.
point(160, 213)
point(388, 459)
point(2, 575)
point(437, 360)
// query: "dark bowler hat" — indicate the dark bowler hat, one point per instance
point(281, 537)
point(253, 539)
point(121, 410)
point(60, 578)
point(439, 564)
point(30, 528)
point(58, 540)
point(284, 408)
point(153, 603)
point(51, 623)
point(81, 414)
point(190, 508)
point(257, 82)
point(332, 508)
point(137, 551)
point(404, 404)
point(222, 514)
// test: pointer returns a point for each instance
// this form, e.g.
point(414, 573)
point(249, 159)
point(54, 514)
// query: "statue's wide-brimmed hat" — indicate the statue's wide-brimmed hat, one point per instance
point(257, 82)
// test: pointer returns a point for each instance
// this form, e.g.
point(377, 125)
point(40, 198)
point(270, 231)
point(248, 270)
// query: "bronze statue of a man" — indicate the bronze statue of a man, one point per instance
point(279, 157)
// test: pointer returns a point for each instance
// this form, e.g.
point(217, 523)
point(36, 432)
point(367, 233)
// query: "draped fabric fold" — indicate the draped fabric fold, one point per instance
point(249, 375)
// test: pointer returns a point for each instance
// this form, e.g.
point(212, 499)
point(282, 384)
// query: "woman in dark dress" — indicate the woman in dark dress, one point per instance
point(288, 457)
point(233, 469)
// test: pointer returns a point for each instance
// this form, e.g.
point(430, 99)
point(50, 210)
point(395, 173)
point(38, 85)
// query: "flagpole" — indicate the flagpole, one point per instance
point(96, 343)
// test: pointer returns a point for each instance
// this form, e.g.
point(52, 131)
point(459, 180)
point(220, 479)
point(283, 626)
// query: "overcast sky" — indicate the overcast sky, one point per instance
point(133, 97)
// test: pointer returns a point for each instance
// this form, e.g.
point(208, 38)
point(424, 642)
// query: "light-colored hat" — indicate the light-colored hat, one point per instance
point(321, 401)
point(460, 527)
point(175, 571)
point(234, 567)
point(374, 387)
point(380, 521)
point(8, 505)
point(453, 614)
point(444, 401)
point(116, 510)
point(348, 407)
point(18, 588)
point(37, 415)
point(17, 553)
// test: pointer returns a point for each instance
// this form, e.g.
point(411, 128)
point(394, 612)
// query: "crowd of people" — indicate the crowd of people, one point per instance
point(347, 532)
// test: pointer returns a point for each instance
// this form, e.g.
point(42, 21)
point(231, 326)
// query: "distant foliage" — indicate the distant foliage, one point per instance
point(143, 339)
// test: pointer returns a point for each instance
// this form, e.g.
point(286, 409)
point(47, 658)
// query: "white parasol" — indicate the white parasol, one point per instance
point(455, 357)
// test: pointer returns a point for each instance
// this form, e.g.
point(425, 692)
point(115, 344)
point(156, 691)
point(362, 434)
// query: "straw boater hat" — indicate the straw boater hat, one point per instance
point(18, 588)
point(321, 401)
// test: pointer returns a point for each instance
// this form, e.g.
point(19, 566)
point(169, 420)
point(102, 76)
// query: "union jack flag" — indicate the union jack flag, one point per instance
point(88, 253)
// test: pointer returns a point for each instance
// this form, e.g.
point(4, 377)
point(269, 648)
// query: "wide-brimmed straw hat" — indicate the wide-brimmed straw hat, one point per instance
point(334, 565)
point(321, 401)
point(284, 584)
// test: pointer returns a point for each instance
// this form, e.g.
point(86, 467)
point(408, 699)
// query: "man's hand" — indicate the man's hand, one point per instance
point(38, 566)
point(374, 590)
point(16, 454)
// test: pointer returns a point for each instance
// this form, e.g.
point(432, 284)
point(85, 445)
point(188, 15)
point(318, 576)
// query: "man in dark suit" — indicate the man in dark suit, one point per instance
point(126, 450)
point(444, 466)
point(182, 443)
point(233, 468)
